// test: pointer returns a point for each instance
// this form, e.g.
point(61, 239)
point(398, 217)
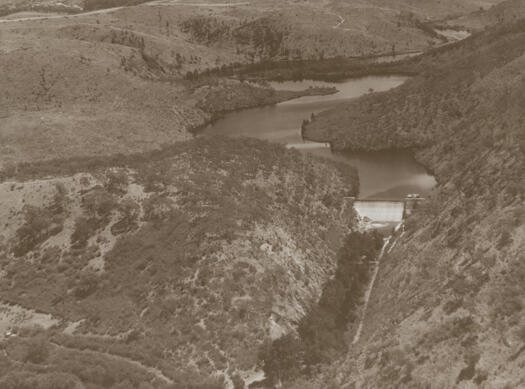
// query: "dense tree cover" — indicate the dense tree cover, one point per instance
point(322, 333)
point(329, 69)
point(207, 30)
point(263, 36)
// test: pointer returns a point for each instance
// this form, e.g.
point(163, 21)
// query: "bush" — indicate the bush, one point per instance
point(37, 351)
point(39, 225)
point(87, 285)
point(452, 306)
point(504, 240)
point(116, 182)
point(99, 203)
point(85, 228)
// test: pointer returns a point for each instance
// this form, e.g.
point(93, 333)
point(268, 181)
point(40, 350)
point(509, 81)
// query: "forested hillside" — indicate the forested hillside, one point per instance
point(448, 306)
point(170, 268)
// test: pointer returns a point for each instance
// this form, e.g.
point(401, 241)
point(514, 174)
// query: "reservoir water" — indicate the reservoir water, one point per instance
point(385, 174)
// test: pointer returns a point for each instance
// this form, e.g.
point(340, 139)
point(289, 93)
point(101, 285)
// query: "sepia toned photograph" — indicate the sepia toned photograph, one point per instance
point(262, 194)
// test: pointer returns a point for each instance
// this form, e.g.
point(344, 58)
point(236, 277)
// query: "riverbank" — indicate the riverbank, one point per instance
point(231, 95)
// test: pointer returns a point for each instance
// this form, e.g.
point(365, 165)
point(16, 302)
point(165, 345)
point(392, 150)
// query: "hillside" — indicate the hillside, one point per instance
point(168, 267)
point(447, 310)
point(89, 87)
point(122, 80)
point(508, 11)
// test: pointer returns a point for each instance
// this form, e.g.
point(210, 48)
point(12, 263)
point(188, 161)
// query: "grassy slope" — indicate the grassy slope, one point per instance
point(448, 307)
point(186, 262)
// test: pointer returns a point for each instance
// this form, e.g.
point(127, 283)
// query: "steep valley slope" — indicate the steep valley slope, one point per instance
point(447, 310)
point(167, 269)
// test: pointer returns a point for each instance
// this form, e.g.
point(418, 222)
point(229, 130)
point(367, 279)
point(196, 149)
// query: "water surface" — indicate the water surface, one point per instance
point(385, 174)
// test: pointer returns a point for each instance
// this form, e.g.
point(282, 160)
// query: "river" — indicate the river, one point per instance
point(385, 174)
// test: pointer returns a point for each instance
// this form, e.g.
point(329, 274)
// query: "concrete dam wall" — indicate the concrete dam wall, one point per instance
point(381, 211)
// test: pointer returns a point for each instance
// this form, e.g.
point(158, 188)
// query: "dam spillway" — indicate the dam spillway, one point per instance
point(380, 211)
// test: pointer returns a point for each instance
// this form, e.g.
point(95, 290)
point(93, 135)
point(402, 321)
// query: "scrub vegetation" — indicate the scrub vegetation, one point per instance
point(462, 253)
point(170, 266)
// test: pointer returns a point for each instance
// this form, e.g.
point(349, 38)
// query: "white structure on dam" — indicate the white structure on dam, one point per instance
point(380, 211)
point(385, 211)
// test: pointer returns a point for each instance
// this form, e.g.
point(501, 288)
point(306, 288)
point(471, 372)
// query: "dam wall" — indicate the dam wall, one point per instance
point(381, 211)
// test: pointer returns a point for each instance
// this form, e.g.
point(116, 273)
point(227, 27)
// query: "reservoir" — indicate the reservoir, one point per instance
point(384, 174)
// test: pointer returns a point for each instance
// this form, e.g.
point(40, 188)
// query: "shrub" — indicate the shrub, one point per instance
point(84, 229)
point(37, 351)
point(39, 225)
point(469, 371)
point(504, 240)
point(87, 285)
point(128, 221)
point(116, 182)
point(99, 203)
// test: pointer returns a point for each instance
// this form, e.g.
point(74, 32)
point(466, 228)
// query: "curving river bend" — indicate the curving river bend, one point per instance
point(385, 174)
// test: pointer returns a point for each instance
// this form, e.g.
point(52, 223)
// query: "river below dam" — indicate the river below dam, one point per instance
point(385, 174)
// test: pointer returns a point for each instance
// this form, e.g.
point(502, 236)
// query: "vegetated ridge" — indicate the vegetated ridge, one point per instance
point(447, 309)
point(170, 270)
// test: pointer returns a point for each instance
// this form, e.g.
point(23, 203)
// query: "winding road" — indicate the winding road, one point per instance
point(109, 10)
point(49, 17)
